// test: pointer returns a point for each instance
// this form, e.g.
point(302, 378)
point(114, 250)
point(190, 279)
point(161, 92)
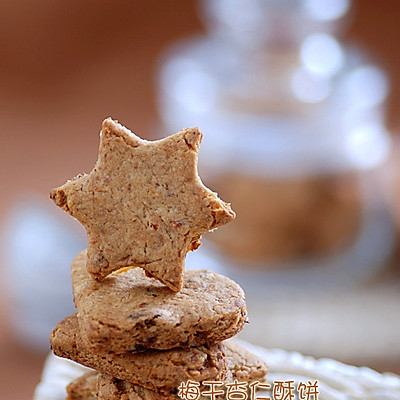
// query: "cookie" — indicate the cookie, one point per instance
point(84, 387)
point(129, 312)
point(110, 388)
point(143, 204)
point(243, 365)
point(155, 370)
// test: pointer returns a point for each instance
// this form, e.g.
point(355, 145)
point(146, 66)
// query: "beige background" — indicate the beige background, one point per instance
point(67, 65)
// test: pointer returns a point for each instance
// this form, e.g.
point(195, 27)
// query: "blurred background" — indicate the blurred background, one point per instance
point(298, 101)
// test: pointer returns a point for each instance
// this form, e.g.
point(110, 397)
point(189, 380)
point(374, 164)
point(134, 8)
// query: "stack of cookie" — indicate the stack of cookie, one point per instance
point(146, 340)
point(145, 331)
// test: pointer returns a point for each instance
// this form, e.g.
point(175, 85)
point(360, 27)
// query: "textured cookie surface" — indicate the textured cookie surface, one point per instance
point(84, 387)
point(128, 311)
point(155, 370)
point(244, 366)
point(110, 388)
point(143, 204)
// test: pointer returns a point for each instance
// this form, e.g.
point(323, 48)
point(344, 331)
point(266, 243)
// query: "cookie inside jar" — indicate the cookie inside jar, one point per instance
point(283, 220)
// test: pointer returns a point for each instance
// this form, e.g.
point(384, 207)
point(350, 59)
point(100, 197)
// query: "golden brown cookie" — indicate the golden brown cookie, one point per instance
point(244, 366)
point(84, 387)
point(143, 204)
point(110, 388)
point(127, 311)
point(152, 369)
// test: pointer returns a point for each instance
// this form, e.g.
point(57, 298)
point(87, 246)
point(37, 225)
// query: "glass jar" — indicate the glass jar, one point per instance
point(294, 138)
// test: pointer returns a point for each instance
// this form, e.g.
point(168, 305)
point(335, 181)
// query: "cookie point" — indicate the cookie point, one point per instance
point(174, 286)
point(52, 194)
point(108, 121)
point(59, 198)
point(193, 137)
point(221, 212)
point(111, 127)
point(108, 124)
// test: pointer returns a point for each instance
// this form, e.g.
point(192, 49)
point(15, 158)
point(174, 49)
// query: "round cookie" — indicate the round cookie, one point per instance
point(243, 365)
point(161, 371)
point(128, 311)
point(84, 387)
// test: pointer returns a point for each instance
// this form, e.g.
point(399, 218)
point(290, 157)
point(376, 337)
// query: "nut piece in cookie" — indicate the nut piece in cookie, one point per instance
point(143, 204)
point(129, 312)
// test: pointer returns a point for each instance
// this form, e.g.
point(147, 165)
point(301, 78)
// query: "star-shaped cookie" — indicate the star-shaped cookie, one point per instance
point(143, 204)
